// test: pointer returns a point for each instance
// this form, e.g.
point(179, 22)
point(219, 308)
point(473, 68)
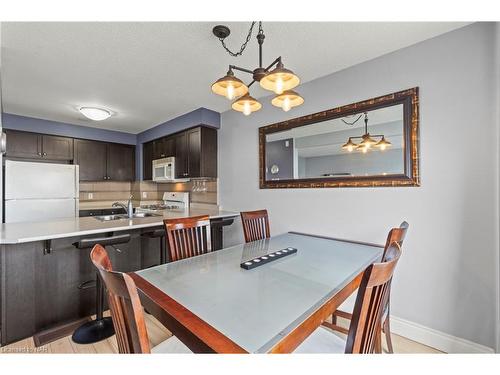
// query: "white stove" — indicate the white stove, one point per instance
point(172, 201)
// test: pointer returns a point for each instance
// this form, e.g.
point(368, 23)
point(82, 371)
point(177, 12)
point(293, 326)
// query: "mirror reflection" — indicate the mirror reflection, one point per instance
point(367, 143)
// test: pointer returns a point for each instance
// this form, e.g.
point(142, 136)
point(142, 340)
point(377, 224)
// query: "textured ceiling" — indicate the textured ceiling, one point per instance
point(148, 73)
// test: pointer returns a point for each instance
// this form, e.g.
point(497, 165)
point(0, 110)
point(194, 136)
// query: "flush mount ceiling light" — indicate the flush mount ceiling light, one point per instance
point(94, 113)
point(368, 141)
point(279, 80)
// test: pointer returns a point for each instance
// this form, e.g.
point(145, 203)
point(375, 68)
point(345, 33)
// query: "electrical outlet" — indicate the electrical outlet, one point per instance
point(91, 196)
point(144, 194)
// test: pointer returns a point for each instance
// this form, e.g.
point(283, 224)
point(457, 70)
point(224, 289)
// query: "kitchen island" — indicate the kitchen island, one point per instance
point(47, 281)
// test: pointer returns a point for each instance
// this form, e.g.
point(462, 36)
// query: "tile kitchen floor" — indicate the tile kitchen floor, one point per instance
point(157, 333)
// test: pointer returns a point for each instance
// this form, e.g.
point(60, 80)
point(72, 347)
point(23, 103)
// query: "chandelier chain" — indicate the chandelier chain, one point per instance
point(351, 123)
point(244, 45)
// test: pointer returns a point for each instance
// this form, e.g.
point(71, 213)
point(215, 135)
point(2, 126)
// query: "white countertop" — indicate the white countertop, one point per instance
point(14, 233)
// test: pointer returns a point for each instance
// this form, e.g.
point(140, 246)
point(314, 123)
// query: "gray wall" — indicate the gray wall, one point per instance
point(376, 162)
point(447, 277)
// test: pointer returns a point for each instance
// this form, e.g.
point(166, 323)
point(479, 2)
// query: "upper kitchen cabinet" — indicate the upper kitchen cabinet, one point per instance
point(28, 145)
point(163, 148)
point(195, 152)
point(91, 156)
point(100, 161)
point(57, 148)
point(121, 162)
point(147, 160)
point(202, 152)
point(23, 144)
point(181, 151)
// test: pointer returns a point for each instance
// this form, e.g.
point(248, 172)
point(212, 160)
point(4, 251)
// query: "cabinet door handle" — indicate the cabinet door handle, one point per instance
point(44, 154)
point(39, 154)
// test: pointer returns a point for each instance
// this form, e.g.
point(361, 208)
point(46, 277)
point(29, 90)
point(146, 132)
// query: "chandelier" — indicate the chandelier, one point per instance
point(279, 80)
point(367, 140)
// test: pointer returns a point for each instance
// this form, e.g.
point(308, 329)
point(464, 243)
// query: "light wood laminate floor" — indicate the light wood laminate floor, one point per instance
point(158, 333)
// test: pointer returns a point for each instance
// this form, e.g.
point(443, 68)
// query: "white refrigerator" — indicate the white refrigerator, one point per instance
point(40, 191)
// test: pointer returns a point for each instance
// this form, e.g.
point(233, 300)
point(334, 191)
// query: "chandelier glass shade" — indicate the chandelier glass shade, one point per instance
point(287, 100)
point(246, 104)
point(278, 80)
point(368, 141)
point(229, 86)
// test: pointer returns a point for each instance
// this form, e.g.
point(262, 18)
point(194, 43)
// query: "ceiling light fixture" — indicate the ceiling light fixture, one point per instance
point(94, 113)
point(279, 80)
point(367, 141)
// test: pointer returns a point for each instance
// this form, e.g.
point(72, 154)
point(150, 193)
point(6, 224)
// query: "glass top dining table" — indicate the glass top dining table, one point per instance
point(254, 309)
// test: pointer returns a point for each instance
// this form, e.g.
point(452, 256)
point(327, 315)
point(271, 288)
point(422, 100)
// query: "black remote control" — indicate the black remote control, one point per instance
point(259, 261)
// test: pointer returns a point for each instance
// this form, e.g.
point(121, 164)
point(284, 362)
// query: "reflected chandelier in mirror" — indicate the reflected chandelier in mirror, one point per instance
point(366, 144)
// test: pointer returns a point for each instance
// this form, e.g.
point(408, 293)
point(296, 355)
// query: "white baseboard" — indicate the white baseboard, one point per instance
point(435, 339)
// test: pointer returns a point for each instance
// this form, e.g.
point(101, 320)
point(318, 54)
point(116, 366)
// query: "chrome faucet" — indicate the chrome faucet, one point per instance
point(129, 208)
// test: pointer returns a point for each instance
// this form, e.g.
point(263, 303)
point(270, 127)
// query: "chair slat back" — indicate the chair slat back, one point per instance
point(125, 305)
point(255, 225)
point(188, 237)
point(369, 307)
point(396, 235)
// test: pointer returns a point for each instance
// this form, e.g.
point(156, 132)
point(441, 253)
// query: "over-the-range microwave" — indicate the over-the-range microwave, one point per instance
point(164, 170)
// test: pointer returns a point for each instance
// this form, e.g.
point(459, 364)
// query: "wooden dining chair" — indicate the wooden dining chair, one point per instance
point(395, 235)
point(255, 225)
point(188, 237)
point(127, 312)
point(364, 333)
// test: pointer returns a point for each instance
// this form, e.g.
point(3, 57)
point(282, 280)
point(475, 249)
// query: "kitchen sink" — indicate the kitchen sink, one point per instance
point(111, 217)
point(145, 214)
point(124, 216)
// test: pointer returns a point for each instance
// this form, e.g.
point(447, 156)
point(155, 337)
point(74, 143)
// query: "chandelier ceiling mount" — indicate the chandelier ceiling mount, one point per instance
point(280, 80)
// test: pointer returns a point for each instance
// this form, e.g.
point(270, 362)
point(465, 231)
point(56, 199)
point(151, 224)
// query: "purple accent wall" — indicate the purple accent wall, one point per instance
point(200, 116)
point(36, 125)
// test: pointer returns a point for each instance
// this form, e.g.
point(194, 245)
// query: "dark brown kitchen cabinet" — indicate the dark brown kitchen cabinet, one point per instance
point(195, 152)
point(147, 160)
point(91, 156)
point(23, 144)
point(100, 161)
point(200, 153)
point(163, 148)
point(181, 150)
point(57, 148)
point(28, 145)
point(121, 162)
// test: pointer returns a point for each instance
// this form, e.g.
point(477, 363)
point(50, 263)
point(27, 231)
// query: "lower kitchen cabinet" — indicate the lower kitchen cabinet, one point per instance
point(45, 284)
point(41, 290)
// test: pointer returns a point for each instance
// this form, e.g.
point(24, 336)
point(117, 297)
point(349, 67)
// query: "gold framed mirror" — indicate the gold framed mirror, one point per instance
point(366, 144)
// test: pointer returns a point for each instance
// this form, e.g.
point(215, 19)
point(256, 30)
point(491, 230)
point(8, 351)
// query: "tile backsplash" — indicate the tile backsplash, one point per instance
point(103, 194)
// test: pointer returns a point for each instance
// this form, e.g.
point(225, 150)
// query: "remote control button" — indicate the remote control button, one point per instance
point(272, 255)
point(248, 263)
point(278, 253)
point(263, 257)
point(256, 260)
